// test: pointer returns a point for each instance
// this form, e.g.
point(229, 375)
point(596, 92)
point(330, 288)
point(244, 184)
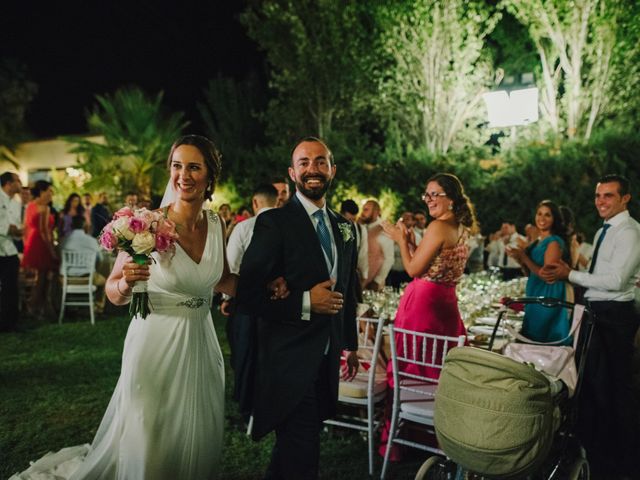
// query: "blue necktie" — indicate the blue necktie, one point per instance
point(323, 235)
point(598, 243)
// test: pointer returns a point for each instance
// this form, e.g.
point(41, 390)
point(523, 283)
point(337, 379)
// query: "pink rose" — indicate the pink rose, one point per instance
point(123, 212)
point(108, 240)
point(167, 228)
point(163, 243)
point(137, 225)
point(147, 216)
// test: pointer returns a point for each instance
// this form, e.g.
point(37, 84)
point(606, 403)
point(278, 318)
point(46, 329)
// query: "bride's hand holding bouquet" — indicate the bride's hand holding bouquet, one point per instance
point(139, 233)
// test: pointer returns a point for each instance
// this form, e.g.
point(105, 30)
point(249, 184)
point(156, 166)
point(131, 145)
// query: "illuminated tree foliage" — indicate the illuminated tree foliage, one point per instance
point(439, 68)
point(136, 135)
point(623, 100)
point(576, 42)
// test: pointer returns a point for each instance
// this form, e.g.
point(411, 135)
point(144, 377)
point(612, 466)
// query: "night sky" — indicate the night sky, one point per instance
point(74, 50)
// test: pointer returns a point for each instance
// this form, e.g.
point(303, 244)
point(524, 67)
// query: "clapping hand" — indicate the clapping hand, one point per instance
point(397, 232)
point(516, 253)
point(522, 243)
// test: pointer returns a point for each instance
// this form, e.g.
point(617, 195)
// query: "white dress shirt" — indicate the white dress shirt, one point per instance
point(386, 244)
point(9, 215)
point(618, 262)
point(493, 249)
point(311, 208)
point(239, 241)
point(502, 251)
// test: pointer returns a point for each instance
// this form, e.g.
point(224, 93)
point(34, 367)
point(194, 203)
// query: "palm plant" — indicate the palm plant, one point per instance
point(130, 135)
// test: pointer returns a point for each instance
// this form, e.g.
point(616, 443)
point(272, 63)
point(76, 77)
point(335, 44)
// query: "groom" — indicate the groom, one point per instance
point(299, 338)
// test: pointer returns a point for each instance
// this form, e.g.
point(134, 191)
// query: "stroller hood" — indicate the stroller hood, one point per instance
point(493, 415)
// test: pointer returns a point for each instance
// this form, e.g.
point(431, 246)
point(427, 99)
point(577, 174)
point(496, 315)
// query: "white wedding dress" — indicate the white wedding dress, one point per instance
point(165, 418)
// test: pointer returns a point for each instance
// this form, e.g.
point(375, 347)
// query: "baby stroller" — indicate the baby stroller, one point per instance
point(498, 418)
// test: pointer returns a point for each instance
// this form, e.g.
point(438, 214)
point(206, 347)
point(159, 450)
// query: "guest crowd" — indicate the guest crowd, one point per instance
point(424, 253)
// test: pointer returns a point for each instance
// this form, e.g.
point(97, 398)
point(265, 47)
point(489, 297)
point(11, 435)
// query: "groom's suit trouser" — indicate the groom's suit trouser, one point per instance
point(9, 302)
point(296, 453)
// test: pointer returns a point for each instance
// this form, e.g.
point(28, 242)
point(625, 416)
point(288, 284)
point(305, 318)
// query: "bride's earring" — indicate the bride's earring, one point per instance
point(450, 206)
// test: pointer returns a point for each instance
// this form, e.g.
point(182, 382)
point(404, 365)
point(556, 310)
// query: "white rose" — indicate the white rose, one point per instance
point(121, 228)
point(143, 243)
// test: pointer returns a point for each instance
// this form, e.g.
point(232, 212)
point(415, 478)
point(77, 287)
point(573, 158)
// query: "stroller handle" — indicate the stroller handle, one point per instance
point(548, 302)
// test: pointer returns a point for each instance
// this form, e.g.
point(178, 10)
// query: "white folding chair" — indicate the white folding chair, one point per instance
point(414, 393)
point(77, 270)
point(368, 387)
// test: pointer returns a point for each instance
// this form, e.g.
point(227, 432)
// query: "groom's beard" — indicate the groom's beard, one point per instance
point(313, 193)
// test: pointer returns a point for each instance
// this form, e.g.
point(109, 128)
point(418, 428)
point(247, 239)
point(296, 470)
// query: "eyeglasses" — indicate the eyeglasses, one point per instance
point(432, 196)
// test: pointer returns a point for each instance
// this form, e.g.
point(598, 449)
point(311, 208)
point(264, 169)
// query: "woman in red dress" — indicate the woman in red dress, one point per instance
point(429, 303)
point(39, 252)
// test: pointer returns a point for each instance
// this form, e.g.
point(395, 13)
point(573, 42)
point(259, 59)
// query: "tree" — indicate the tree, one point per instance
point(575, 40)
point(16, 93)
point(134, 136)
point(315, 51)
point(623, 106)
point(432, 87)
point(230, 112)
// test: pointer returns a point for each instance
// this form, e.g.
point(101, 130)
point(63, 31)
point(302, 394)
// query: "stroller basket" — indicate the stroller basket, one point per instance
point(493, 415)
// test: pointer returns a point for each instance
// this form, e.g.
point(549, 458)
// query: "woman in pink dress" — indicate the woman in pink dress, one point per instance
point(429, 303)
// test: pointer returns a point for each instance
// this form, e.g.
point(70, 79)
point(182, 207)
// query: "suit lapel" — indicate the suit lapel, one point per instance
point(304, 226)
point(337, 236)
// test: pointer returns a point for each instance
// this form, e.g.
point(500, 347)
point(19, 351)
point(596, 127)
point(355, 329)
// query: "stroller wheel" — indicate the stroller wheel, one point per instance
point(433, 469)
point(580, 470)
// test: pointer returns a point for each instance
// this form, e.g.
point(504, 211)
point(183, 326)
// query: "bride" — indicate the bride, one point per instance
point(165, 418)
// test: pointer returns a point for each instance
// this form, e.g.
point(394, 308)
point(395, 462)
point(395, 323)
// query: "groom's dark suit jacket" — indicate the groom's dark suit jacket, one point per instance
point(290, 350)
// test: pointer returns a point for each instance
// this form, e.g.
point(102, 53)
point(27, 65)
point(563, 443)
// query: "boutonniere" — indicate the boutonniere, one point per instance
point(346, 231)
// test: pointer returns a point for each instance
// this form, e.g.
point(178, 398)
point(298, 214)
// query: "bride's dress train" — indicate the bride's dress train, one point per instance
point(165, 418)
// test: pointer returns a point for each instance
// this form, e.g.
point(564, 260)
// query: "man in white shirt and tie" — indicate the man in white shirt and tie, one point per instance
point(509, 267)
point(398, 275)
point(10, 228)
point(265, 197)
point(609, 404)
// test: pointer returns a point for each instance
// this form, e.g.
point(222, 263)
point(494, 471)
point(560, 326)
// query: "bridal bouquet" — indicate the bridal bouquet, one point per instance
point(139, 232)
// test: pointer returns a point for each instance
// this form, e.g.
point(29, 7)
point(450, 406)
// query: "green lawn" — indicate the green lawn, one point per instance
point(56, 381)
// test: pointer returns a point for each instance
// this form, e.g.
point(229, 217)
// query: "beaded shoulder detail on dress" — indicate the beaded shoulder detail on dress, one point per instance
point(213, 216)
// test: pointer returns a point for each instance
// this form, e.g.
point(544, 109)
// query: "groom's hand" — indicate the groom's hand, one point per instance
point(278, 288)
point(349, 370)
point(324, 300)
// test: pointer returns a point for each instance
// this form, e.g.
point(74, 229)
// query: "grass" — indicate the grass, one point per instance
point(56, 381)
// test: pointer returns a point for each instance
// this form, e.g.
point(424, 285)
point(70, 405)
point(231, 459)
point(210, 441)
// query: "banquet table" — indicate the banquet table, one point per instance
point(479, 300)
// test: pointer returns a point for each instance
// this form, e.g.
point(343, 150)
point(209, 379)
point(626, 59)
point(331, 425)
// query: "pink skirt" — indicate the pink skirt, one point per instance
point(427, 307)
